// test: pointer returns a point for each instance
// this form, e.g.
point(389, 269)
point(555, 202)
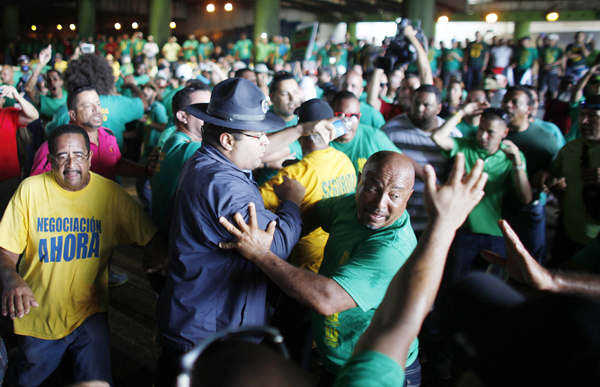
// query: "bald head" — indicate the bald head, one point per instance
point(385, 185)
point(353, 82)
point(7, 75)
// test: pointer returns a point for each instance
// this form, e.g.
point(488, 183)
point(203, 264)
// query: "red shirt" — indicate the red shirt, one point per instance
point(104, 160)
point(389, 110)
point(9, 161)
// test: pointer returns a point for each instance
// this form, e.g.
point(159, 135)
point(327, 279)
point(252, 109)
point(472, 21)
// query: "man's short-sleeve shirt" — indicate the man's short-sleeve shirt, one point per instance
point(525, 57)
point(477, 51)
point(366, 141)
point(363, 262)
point(49, 105)
point(371, 369)
point(177, 149)
point(67, 238)
point(486, 214)
point(324, 173)
point(370, 116)
point(244, 48)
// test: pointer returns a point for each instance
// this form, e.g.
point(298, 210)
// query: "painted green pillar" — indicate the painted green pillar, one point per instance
point(160, 17)
point(86, 22)
point(351, 29)
point(424, 10)
point(521, 29)
point(10, 22)
point(266, 18)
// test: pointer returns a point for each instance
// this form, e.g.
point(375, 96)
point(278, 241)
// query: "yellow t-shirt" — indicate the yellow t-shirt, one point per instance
point(67, 238)
point(324, 173)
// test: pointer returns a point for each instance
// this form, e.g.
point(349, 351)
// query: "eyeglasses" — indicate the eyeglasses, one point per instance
point(498, 112)
point(383, 84)
point(64, 159)
point(256, 137)
point(339, 114)
point(259, 334)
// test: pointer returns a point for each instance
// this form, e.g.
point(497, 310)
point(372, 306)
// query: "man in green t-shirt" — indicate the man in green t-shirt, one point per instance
point(361, 141)
point(243, 49)
point(577, 53)
point(47, 104)
point(551, 57)
point(370, 239)
point(476, 60)
point(452, 58)
point(505, 166)
point(470, 122)
point(205, 49)
point(177, 149)
point(353, 82)
point(190, 47)
point(525, 62)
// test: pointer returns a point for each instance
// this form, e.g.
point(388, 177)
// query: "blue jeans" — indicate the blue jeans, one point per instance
point(529, 222)
point(89, 343)
point(473, 78)
point(412, 374)
point(465, 248)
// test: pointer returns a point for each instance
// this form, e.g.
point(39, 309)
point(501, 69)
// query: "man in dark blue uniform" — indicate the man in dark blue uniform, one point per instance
point(209, 289)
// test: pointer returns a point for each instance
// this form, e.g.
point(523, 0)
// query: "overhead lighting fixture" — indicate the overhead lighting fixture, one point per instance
point(33, 27)
point(552, 16)
point(173, 25)
point(117, 26)
point(72, 27)
point(210, 8)
point(491, 18)
point(443, 19)
point(134, 25)
point(228, 7)
point(59, 27)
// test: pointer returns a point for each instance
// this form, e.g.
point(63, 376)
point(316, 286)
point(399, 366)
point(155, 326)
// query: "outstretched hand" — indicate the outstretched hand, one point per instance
point(249, 239)
point(454, 201)
point(519, 264)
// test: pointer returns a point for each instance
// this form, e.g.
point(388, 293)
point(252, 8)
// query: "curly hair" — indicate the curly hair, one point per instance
point(89, 70)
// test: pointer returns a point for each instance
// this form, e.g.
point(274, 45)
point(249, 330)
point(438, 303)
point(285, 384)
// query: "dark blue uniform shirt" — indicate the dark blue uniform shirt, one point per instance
point(209, 289)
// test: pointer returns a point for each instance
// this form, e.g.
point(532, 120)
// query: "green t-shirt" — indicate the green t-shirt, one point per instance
point(449, 62)
point(549, 55)
point(589, 257)
point(484, 218)
point(370, 369)
point(267, 174)
point(433, 54)
point(49, 105)
point(525, 57)
point(477, 51)
point(467, 129)
point(158, 114)
point(367, 141)
point(324, 54)
point(363, 262)
point(262, 52)
point(578, 60)
point(244, 48)
point(190, 48)
point(125, 47)
point(138, 47)
point(553, 129)
point(167, 100)
point(371, 116)
point(175, 152)
point(116, 112)
point(164, 136)
point(205, 49)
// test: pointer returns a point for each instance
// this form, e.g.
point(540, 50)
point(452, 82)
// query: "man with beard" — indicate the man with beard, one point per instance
point(47, 105)
point(412, 133)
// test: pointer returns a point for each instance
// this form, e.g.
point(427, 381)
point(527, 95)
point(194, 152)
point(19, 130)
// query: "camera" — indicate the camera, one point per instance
point(400, 51)
point(87, 48)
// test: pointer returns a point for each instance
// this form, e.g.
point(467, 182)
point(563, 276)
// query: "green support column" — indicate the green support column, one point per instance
point(521, 29)
point(424, 10)
point(351, 29)
point(160, 17)
point(87, 18)
point(10, 22)
point(266, 18)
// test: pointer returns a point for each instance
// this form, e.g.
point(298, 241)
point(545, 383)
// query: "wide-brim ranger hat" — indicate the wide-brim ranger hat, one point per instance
point(237, 103)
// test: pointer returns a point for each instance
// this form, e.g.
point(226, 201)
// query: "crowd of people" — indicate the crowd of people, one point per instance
point(340, 202)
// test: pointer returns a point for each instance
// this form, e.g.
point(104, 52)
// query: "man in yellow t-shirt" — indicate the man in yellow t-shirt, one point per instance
point(66, 222)
point(324, 172)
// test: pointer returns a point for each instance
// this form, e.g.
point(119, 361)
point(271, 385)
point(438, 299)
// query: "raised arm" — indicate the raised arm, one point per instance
point(410, 295)
point(285, 137)
point(522, 185)
point(577, 92)
point(17, 296)
point(441, 136)
point(28, 112)
point(31, 86)
point(423, 66)
point(373, 89)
